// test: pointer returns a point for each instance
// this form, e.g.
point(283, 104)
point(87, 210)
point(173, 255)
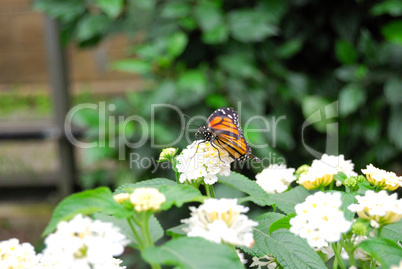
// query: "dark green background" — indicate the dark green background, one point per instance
point(276, 57)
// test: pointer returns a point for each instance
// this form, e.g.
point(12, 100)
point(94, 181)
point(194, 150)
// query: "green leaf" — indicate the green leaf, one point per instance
point(191, 87)
point(393, 90)
point(192, 80)
point(264, 223)
point(340, 176)
point(239, 65)
point(247, 25)
point(155, 228)
point(192, 252)
point(391, 7)
point(176, 231)
point(179, 194)
point(385, 251)
point(216, 101)
point(287, 201)
point(345, 52)
point(347, 200)
point(289, 49)
point(242, 183)
point(395, 126)
point(351, 97)
point(112, 8)
point(133, 66)
point(219, 34)
point(282, 223)
point(289, 250)
point(312, 108)
point(392, 32)
point(86, 202)
point(177, 43)
point(150, 183)
point(65, 11)
point(209, 15)
point(145, 5)
point(175, 10)
point(392, 231)
point(91, 26)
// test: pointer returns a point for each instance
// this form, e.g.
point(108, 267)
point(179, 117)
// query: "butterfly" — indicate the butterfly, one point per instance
point(223, 130)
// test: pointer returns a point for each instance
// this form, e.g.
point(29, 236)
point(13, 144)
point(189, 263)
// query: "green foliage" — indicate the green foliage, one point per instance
point(150, 183)
point(282, 223)
point(155, 228)
point(195, 253)
point(392, 231)
point(86, 202)
point(287, 201)
point(289, 250)
point(242, 183)
point(385, 251)
point(268, 55)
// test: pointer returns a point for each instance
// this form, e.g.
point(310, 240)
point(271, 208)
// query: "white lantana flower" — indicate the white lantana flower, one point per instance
point(202, 160)
point(275, 178)
point(268, 261)
point(16, 255)
point(321, 173)
point(319, 219)
point(381, 178)
point(84, 243)
point(145, 199)
point(380, 208)
point(221, 220)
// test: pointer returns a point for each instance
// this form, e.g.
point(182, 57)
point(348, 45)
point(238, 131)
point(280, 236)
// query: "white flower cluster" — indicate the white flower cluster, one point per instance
point(202, 160)
point(275, 178)
point(167, 153)
point(384, 179)
point(221, 220)
point(144, 199)
point(380, 207)
point(319, 219)
point(85, 244)
point(16, 255)
point(323, 170)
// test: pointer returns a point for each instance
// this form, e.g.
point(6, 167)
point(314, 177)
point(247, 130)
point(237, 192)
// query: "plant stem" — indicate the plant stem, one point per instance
point(379, 231)
point(137, 236)
point(337, 249)
point(147, 236)
point(323, 256)
point(207, 190)
point(331, 185)
point(211, 188)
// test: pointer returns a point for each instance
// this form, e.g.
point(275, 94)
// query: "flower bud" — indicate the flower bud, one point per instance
point(360, 178)
point(144, 199)
point(359, 228)
point(167, 154)
point(121, 197)
point(302, 169)
point(350, 182)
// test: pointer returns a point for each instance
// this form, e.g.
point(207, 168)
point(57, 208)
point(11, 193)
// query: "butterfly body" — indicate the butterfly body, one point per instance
point(223, 130)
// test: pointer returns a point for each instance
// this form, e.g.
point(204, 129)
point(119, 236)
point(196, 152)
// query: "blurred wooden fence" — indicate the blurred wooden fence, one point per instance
point(23, 55)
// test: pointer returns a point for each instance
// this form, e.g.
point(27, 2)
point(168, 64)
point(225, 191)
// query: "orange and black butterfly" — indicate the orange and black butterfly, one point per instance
point(223, 130)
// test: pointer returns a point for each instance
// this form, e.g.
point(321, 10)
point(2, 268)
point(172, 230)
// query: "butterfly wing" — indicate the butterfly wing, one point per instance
point(228, 135)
